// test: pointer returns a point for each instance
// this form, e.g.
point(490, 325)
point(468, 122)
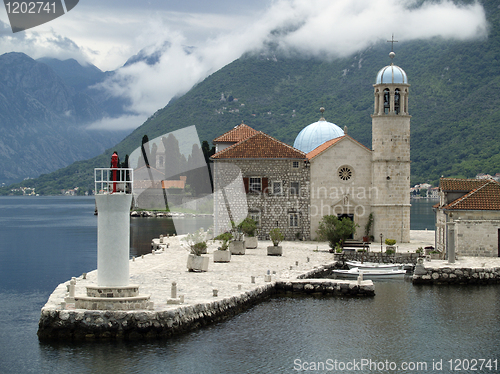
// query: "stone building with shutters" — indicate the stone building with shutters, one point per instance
point(468, 217)
point(275, 178)
point(327, 172)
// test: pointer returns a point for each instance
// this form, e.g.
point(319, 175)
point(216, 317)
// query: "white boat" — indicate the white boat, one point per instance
point(370, 273)
point(372, 265)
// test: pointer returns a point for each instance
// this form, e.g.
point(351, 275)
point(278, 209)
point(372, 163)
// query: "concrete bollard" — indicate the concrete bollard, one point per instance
point(252, 279)
point(72, 287)
point(173, 290)
point(215, 292)
point(161, 238)
point(239, 286)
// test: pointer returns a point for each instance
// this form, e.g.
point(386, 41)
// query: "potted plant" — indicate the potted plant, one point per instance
point(223, 254)
point(237, 245)
point(249, 228)
point(276, 237)
point(197, 244)
point(435, 255)
point(368, 228)
point(390, 247)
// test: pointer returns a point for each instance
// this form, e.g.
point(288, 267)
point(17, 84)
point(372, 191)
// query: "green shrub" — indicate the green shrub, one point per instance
point(276, 236)
point(334, 230)
point(390, 241)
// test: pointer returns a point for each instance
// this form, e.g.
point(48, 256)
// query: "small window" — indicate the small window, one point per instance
point(277, 188)
point(293, 219)
point(295, 164)
point(255, 184)
point(294, 188)
point(255, 216)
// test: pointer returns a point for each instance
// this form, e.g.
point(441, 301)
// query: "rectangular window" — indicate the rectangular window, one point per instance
point(255, 184)
point(277, 188)
point(294, 188)
point(255, 216)
point(294, 219)
point(295, 164)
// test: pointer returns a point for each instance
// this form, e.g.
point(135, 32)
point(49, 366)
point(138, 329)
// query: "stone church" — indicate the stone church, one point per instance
point(326, 171)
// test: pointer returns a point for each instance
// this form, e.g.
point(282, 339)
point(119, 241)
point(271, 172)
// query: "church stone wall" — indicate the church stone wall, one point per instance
point(331, 195)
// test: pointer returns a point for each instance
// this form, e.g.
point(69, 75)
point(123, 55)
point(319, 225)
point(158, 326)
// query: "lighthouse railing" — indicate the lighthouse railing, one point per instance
point(113, 180)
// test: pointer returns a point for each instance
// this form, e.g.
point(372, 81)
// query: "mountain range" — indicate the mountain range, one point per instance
point(454, 103)
point(45, 106)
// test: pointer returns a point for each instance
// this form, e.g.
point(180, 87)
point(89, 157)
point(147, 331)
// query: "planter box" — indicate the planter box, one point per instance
point(197, 263)
point(222, 256)
point(251, 242)
point(275, 250)
point(237, 247)
point(435, 256)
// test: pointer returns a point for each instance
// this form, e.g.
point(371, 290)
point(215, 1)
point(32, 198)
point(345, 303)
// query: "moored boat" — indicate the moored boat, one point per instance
point(372, 265)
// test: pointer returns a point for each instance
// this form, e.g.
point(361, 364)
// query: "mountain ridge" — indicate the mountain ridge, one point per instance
point(454, 128)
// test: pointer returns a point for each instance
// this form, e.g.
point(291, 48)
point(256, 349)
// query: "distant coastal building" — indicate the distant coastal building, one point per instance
point(469, 210)
point(327, 172)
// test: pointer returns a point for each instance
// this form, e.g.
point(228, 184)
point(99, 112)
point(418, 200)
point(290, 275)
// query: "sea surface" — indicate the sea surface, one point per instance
point(44, 241)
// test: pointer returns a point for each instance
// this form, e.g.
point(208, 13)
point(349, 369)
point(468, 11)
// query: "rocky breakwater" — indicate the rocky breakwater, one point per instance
point(443, 273)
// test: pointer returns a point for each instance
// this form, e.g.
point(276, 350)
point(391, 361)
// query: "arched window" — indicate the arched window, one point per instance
point(387, 101)
point(397, 100)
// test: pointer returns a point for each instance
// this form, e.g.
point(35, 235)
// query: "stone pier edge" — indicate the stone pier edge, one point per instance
point(81, 324)
point(460, 276)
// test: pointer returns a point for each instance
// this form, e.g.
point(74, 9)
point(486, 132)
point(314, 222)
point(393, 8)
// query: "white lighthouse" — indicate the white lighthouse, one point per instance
point(113, 189)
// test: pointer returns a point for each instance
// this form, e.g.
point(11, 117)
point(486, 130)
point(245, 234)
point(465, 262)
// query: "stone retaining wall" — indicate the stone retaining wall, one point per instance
point(447, 275)
point(327, 287)
point(397, 258)
point(95, 324)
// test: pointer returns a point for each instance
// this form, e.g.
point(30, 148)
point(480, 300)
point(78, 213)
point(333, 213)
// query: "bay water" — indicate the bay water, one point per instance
point(44, 241)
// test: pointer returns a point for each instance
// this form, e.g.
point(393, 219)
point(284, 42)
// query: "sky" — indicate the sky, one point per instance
point(108, 32)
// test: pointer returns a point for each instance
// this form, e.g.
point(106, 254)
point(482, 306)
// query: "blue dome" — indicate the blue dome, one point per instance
point(391, 74)
point(316, 134)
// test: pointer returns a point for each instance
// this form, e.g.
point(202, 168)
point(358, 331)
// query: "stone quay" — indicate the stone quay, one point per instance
point(465, 270)
point(181, 301)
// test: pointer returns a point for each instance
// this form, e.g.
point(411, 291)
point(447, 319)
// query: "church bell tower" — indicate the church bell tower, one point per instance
point(391, 155)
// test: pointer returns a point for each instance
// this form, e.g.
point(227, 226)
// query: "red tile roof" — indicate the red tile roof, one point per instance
point(323, 147)
point(236, 134)
point(484, 197)
point(463, 185)
point(260, 145)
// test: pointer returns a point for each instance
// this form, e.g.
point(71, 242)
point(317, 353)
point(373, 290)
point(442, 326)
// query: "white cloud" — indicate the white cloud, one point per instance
point(331, 28)
point(128, 122)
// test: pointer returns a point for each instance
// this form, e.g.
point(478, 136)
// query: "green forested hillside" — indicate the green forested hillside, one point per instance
point(454, 103)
